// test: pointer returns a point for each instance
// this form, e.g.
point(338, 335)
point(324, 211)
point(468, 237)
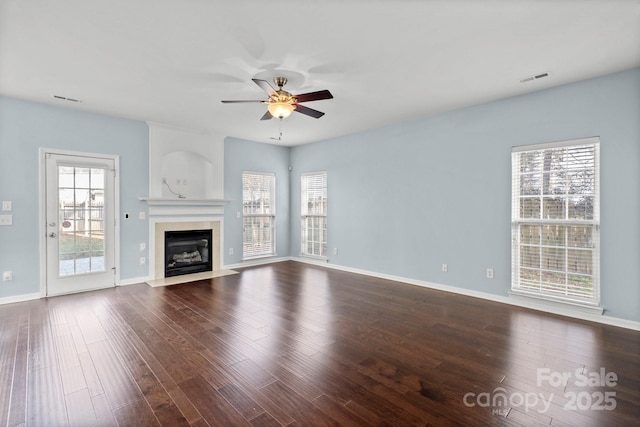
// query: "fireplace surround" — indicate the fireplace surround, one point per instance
point(160, 226)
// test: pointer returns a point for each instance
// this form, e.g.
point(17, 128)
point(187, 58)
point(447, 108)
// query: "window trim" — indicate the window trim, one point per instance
point(304, 216)
point(271, 215)
point(590, 304)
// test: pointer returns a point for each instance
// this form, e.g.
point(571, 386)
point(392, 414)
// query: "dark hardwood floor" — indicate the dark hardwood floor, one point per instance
point(294, 344)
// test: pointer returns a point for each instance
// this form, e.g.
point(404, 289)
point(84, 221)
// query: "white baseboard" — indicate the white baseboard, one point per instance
point(134, 281)
point(20, 298)
point(520, 302)
point(567, 311)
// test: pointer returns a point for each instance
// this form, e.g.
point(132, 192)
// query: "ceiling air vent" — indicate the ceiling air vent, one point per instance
point(536, 77)
point(65, 98)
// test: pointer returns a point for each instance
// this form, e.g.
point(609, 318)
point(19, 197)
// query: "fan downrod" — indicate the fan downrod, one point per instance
point(280, 81)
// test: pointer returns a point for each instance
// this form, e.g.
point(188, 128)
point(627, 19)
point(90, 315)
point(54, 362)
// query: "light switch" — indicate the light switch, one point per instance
point(7, 206)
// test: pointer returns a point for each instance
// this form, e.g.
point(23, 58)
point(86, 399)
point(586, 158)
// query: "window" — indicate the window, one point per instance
point(259, 209)
point(314, 214)
point(555, 221)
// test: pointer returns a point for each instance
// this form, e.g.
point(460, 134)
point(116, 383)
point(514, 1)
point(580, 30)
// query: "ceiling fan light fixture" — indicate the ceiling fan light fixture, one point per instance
point(282, 103)
point(281, 110)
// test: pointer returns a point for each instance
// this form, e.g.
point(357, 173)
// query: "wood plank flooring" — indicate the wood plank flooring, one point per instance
point(291, 344)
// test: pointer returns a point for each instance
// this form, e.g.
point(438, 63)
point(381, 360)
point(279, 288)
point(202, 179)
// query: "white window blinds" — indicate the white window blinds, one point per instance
point(314, 214)
point(258, 207)
point(555, 221)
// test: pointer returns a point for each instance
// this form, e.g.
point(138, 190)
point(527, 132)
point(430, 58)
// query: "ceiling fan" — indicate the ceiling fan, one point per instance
point(282, 103)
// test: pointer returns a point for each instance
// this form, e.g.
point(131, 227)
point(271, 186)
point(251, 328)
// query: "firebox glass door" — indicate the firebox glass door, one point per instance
point(80, 225)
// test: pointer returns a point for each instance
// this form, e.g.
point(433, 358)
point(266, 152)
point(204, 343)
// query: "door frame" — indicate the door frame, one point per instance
point(42, 209)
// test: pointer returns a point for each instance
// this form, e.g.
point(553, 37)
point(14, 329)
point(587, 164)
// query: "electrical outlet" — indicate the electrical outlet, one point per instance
point(7, 276)
point(6, 219)
point(489, 273)
point(142, 260)
point(445, 268)
point(230, 251)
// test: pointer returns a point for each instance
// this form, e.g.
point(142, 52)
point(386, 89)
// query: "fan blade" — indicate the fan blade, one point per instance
point(308, 111)
point(314, 96)
point(265, 86)
point(234, 102)
point(267, 116)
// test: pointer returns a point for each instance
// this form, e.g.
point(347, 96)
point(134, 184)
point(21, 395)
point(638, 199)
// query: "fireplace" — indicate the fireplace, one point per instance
point(187, 252)
point(183, 215)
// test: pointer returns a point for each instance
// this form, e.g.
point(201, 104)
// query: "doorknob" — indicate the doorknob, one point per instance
point(52, 234)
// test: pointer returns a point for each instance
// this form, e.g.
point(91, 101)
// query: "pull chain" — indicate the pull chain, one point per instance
point(279, 138)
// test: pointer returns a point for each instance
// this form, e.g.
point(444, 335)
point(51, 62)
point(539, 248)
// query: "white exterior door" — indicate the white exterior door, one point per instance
point(80, 228)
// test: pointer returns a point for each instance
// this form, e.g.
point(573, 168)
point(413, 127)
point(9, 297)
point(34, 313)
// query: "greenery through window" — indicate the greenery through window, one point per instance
point(555, 221)
point(258, 208)
point(314, 214)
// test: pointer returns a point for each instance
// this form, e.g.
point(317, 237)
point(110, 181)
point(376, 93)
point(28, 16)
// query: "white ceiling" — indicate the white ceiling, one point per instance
point(385, 61)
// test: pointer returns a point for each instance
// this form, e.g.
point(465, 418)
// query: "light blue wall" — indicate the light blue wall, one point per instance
point(402, 199)
point(405, 199)
point(240, 156)
point(24, 128)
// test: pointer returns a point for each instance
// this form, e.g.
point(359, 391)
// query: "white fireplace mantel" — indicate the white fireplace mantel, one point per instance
point(163, 201)
point(167, 206)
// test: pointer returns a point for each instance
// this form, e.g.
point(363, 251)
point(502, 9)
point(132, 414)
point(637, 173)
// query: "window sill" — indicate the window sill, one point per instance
point(558, 303)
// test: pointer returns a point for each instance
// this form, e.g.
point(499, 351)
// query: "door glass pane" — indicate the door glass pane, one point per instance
point(81, 220)
point(82, 178)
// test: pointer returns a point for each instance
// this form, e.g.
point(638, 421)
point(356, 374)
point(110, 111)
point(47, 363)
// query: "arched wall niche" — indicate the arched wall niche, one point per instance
point(192, 163)
point(188, 174)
